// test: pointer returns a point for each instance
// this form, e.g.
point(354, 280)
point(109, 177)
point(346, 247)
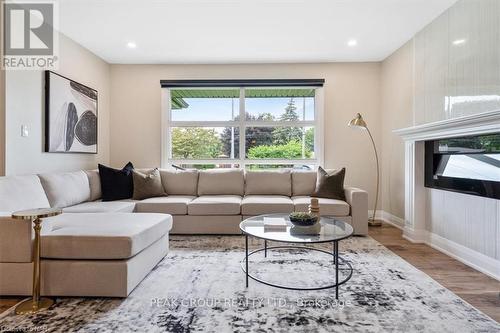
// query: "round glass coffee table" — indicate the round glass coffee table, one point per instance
point(330, 230)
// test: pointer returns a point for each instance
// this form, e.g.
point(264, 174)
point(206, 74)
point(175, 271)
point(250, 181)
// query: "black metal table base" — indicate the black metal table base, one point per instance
point(337, 261)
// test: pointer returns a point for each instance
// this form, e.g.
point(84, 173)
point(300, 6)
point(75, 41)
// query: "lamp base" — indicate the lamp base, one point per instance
point(28, 306)
point(374, 223)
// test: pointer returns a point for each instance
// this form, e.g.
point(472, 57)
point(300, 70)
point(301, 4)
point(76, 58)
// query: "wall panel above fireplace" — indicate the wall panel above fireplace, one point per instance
point(457, 61)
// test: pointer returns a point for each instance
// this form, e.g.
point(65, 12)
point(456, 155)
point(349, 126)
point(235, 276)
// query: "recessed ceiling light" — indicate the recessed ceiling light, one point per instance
point(459, 41)
point(352, 42)
point(131, 45)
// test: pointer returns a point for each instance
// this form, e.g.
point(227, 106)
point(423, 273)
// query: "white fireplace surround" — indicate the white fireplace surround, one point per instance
point(416, 211)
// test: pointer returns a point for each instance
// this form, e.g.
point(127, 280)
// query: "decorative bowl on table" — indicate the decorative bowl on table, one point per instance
point(303, 219)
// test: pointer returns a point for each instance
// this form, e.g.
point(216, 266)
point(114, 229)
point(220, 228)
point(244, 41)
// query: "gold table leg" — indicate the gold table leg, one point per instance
point(35, 304)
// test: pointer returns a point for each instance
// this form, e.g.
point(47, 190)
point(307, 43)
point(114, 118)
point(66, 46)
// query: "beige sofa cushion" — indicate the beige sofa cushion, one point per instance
point(221, 181)
point(303, 182)
point(21, 192)
point(123, 206)
point(173, 204)
point(326, 206)
point(268, 183)
point(15, 240)
point(179, 182)
point(102, 235)
point(95, 184)
point(65, 189)
point(266, 204)
point(215, 205)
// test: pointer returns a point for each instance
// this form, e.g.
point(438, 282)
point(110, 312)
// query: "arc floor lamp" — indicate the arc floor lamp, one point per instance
point(360, 123)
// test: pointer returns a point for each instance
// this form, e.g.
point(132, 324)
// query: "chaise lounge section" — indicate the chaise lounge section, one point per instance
point(83, 254)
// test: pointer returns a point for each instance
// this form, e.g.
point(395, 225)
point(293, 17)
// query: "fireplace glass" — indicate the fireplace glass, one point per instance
point(468, 165)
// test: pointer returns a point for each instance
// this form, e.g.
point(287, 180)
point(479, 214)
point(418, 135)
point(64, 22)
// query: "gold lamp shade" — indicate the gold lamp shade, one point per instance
point(358, 122)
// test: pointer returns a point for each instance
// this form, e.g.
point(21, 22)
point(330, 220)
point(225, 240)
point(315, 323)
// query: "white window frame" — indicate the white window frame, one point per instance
point(167, 123)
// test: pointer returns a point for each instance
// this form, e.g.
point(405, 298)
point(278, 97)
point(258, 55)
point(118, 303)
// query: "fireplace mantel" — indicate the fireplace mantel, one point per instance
point(414, 137)
point(481, 123)
point(416, 195)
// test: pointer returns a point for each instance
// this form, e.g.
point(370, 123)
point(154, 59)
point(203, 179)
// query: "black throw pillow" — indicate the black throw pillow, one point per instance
point(330, 185)
point(116, 184)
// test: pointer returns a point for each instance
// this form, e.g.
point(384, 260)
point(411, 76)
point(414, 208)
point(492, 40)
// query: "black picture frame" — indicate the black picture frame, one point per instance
point(71, 116)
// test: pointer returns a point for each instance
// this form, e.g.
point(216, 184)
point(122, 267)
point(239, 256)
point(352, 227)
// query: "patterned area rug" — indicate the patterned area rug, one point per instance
point(200, 287)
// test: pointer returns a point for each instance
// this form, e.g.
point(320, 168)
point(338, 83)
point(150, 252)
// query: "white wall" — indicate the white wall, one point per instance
point(349, 88)
point(457, 80)
point(466, 220)
point(446, 81)
point(25, 106)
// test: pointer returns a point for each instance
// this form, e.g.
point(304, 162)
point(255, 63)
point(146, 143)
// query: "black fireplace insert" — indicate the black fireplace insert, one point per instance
point(469, 164)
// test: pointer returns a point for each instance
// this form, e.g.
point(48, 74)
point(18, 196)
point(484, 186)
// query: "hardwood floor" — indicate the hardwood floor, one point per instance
point(8, 302)
point(474, 287)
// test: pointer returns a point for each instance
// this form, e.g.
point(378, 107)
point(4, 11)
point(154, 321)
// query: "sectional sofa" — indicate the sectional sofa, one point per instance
point(98, 248)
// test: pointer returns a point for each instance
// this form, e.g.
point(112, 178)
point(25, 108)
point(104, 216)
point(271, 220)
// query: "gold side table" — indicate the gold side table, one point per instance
point(35, 215)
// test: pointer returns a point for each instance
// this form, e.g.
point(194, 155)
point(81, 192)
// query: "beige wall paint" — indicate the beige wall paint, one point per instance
point(396, 112)
point(25, 106)
point(349, 88)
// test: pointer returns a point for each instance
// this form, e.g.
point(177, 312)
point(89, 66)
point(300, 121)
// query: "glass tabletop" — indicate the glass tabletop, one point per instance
point(330, 229)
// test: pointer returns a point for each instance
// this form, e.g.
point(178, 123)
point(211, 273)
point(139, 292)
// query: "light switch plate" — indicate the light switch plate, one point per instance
point(25, 131)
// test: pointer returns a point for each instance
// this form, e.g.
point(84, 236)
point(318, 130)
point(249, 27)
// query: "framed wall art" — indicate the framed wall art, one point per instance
point(70, 116)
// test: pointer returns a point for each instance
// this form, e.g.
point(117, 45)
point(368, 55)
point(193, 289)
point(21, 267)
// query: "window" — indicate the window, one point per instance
point(248, 127)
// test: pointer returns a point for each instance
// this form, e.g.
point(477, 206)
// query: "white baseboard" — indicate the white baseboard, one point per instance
point(415, 236)
point(388, 218)
point(474, 259)
point(478, 261)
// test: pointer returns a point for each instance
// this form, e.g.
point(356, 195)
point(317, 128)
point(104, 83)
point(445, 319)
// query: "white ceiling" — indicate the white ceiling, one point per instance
point(245, 31)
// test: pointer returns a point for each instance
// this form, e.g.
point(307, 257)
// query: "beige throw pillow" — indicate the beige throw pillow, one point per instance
point(268, 183)
point(147, 185)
